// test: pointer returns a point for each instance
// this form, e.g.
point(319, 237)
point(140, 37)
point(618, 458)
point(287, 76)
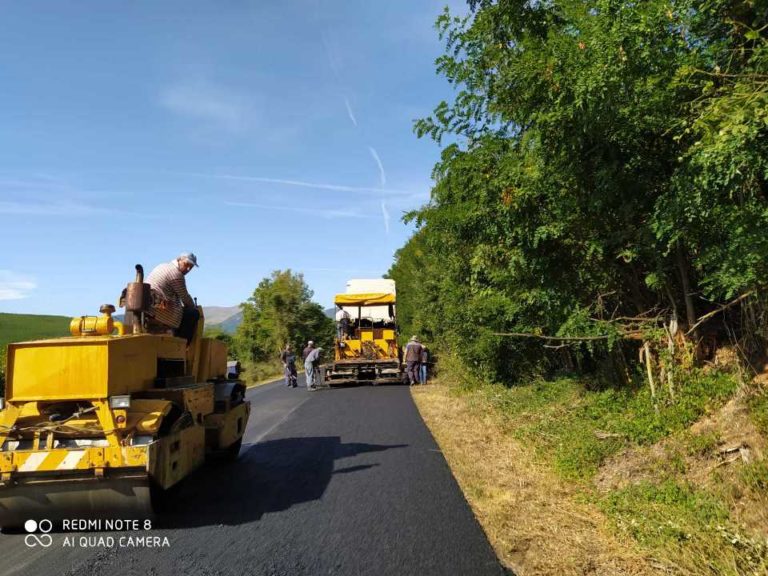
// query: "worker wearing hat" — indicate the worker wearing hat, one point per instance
point(312, 368)
point(413, 360)
point(176, 309)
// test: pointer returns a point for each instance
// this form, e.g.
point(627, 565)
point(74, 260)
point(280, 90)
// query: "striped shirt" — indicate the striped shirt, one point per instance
point(168, 280)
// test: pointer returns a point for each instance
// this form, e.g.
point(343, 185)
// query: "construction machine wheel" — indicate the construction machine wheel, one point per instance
point(162, 499)
point(232, 452)
point(56, 500)
point(170, 423)
point(173, 422)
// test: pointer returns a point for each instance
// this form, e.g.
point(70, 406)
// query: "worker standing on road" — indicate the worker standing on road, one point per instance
point(288, 358)
point(178, 310)
point(423, 364)
point(311, 367)
point(413, 360)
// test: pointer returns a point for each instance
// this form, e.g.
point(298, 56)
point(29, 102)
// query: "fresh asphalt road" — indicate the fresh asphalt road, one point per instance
point(345, 481)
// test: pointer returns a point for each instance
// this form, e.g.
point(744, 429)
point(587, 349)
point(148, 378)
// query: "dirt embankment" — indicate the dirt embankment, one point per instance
point(695, 502)
point(535, 521)
point(711, 455)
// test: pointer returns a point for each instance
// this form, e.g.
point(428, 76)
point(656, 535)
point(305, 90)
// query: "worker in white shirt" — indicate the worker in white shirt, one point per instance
point(342, 323)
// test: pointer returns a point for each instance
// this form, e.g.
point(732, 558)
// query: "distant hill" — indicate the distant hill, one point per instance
point(228, 326)
point(214, 315)
point(220, 314)
point(22, 327)
point(224, 318)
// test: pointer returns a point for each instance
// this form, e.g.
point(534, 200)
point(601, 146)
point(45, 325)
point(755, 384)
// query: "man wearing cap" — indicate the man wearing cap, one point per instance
point(178, 309)
point(311, 367)
point(413, 360)
point(288, 358)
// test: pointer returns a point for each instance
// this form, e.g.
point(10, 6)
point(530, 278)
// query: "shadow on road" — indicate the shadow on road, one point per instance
point(268, 477)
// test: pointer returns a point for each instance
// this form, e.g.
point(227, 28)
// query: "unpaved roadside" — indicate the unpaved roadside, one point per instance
point(533, 520)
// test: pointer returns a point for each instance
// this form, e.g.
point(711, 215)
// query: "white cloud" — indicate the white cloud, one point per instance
point(38, 195)
point(65, 208)
point(49, 208)
point(215, 105)
point(34, 183)
point(322, 212)
point(15, 286)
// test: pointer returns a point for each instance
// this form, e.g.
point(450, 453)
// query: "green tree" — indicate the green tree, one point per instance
point(228, 339)
point(602, 160)
point(281, 311)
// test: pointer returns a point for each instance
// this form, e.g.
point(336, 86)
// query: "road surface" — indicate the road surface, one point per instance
point(345, 481)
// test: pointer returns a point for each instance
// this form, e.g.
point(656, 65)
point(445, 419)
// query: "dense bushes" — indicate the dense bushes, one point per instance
point(603, 176)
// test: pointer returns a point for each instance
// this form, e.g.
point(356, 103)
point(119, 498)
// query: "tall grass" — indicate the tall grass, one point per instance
point(580, 429)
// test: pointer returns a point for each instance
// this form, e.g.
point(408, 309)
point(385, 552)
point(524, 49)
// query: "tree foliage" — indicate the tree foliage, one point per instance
point(219, 334)
point(280, 311)
point(602, 160)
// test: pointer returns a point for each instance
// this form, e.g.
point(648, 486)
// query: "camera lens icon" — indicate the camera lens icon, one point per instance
point(32, 539)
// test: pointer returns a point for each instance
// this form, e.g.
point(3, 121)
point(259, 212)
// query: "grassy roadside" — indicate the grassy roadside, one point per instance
point(568, 480)
point(24, 327)
point(260, 373)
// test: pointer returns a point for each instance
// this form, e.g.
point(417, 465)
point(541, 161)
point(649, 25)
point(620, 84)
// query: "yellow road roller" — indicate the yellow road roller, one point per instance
point(102, 423)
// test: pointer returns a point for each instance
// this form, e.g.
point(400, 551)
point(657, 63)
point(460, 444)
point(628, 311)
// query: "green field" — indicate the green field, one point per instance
point(21, 327)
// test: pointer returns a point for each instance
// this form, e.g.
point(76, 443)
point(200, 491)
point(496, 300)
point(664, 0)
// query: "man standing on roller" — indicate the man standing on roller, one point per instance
point(177, 309)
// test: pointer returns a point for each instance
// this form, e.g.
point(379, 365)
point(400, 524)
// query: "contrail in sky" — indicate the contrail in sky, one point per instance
point(349, 111)
point(382, 173)
point(333, 60)
point(385, 213)
point(335, 68)
point(325, 213)
point(299, 183)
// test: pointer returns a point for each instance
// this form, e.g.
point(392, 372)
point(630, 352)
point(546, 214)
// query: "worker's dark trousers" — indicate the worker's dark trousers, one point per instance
point(412, 369)
point(189, 319)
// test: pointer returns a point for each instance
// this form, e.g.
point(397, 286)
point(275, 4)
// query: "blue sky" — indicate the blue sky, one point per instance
point(260, 135)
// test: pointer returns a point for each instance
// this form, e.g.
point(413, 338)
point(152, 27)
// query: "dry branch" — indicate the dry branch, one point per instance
point(715, 312)
point(600, 435)
point(563, 338)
